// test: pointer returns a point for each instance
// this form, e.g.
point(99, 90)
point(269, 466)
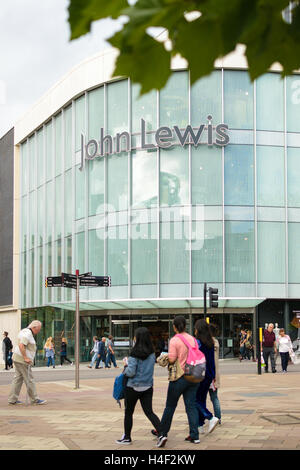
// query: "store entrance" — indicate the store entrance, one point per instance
point(159, 332)
point(228, 329)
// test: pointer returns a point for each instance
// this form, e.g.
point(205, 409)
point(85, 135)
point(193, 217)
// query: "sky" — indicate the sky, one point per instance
point(35, 52)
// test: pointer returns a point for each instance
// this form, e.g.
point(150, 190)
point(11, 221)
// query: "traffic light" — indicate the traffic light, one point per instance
point(46, 282)
point(213, 297)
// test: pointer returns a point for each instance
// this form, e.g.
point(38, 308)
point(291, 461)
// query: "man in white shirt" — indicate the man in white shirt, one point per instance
point(23, 358)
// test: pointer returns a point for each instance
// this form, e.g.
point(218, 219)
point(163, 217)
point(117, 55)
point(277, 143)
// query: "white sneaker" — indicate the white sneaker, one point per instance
point(201, 429)
point(212, 424)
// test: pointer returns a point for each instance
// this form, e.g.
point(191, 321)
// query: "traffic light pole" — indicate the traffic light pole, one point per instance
point(204, 299)
point(77, 335)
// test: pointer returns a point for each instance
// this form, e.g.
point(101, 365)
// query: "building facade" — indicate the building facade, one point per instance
point(195, 183)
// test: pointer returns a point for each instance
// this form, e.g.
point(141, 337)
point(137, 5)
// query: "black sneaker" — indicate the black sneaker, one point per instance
point(274, 371)
point(124, 440)
point(194, 441)
point(154, 432)
point(161, 441)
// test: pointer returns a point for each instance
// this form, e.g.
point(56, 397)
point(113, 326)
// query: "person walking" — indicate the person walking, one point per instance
point(139, 372)
point(207, 346)
point(101, 354)
point(178, 350)
point(215, 385)
point(63, 352)
point(94, 351)
point(243, 337)
point(7, 348)
point(269, 348)
point(249, 346)
point(110, 353)
point(50, 351)
point(23, 358)
point(284, 345)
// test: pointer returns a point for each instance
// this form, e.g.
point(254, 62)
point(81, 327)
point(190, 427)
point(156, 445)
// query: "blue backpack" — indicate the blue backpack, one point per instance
point(119, 388)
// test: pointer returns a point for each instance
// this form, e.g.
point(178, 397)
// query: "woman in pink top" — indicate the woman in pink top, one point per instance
point(178, 350)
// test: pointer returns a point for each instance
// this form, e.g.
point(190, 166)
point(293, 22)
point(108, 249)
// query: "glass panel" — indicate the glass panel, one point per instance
point(174, 253)
point(271, 252)
point(270, 175)
point(238, 100)
point(143, 107)
point(32, 279)
point(49, 153)
point(174, 176)
point(32, 219)
point(144, 254)
point(50, 273)
point(144, 179)
point(68, 136)
point(239, 252)
point(58, 144)
point(117, 179)
point(96, 252)
point(68, 264)
point(80, 193)
point(269, 102)
point(68, 214)
point(96, 186)
point(25, 167)
point(293, 103)
point(207, 175)
point(24, 278)
point(206, 99)
point(58, 268)
point(294, 253)
point(50, 211)
point(96, 112)
point(41, 277)
point(80, 251)
point(79, 121)
point(239, 178)
point(40, 158)
point(117, 107)
point(40, 215)
point(174, 101)
point(32, 163)
point(293, 177)
point(58, 207)
point(207, 252)
point(117, 255)
point(24, 222)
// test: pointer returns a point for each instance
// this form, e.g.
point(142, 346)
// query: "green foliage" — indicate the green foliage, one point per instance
point(214, 32)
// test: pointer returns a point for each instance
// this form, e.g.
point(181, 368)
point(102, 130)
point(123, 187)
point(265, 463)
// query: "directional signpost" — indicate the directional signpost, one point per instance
point(74, 281)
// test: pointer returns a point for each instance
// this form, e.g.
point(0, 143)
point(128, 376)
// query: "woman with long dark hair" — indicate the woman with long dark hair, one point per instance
point(207, 346)
point(139, 386)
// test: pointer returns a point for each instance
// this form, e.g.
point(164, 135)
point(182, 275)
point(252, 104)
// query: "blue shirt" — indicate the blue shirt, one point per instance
point(140, 372)
point(209, 354)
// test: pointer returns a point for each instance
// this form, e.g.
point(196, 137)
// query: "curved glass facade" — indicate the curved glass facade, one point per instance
point(162, 221)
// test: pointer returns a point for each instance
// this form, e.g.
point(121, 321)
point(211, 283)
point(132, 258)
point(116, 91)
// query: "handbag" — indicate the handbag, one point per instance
point(175, 371)
point(195, 367)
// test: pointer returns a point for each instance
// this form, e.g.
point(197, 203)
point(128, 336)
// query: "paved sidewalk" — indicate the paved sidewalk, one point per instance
point(258, 412)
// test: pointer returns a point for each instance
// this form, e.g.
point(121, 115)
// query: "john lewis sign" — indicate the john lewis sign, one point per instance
point(164, 137)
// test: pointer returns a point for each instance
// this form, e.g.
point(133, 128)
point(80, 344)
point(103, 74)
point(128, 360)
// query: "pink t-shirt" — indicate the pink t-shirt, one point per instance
point(177, 348)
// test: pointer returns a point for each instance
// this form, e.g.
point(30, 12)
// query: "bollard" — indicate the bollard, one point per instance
point(258, 350)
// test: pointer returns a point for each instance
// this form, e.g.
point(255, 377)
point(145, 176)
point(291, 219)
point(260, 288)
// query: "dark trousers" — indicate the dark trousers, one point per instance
point(131, 398)
point(201, 396)
point(64, 358)
point(284, 360)
point(101, 358)
point(188, 391)
point(250, 352)
point(266, 353)
point(6, 360)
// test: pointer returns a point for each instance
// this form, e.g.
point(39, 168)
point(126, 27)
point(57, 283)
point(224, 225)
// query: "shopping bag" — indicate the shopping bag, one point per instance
point(292, 356)
point(262, 360)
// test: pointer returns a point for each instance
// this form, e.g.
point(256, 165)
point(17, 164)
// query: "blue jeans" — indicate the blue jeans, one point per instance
point(94, 358)
point(175, 390)
point(203, 412)
point(51, 359)
point(215, 402)
point(110, 357)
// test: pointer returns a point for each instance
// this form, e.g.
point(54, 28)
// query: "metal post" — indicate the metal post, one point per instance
point(204, 299)
point(77, 324)
point(258, 350)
